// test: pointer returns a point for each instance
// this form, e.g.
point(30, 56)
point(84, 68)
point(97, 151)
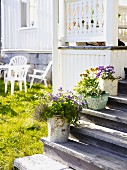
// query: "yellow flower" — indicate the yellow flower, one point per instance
point(88, 71)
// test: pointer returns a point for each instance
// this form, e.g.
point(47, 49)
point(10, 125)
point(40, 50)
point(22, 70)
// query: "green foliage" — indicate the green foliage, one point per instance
point(89, 84)
point(19, 133)
point(66, 104)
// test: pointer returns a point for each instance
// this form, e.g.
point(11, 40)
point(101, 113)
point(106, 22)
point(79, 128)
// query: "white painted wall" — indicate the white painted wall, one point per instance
point(75, 62)
point(123, 2)
point(36, 38)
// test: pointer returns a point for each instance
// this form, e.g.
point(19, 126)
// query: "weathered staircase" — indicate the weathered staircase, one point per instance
point(100, 140)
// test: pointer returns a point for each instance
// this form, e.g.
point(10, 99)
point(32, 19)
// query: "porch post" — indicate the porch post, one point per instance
point(111, 23)
point(62, 22)
point(55, 68)
point(3, 21)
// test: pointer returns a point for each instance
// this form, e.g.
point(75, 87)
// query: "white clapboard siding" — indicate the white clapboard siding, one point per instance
point(74, 62)
point(38, 37)
point(123, 2)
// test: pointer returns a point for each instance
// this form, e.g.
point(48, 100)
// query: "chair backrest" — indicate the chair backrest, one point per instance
point(22, 72)
point(18, 60)
point(47, 69)
point(18, 72)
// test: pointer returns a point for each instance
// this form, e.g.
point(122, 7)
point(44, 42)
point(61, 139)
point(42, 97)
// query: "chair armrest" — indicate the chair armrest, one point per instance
point(38, 71)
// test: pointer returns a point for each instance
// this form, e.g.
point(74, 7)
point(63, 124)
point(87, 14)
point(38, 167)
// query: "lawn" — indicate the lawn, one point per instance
point(19, 133)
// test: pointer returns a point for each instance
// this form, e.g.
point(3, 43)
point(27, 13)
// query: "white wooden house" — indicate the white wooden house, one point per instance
point(87, 21)
point(33, 27)
point(27, 30)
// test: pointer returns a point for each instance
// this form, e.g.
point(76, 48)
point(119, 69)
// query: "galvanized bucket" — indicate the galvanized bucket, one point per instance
point(58, 129)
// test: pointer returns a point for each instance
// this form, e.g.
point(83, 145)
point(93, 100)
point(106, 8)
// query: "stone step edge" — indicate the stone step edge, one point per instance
point(119, 98)
point(38, 162)
point(104, 115)
point(102, 133)
point(123, 81)
point(89, 153)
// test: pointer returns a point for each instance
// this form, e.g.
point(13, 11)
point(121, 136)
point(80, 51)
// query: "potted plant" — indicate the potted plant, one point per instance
point(89, 87)
point(60, 110)
point(108, 80)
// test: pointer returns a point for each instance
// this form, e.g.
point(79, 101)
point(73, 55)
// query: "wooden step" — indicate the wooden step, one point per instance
point(109, 139)
point(38, 162)
point(122, 87)
point(111, 118)
point(84, 156)
point(118, 102)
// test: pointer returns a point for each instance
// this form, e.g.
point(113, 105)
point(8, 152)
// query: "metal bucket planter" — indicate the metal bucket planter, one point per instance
point(58, 129)
point(97, 102)
point(110, 86)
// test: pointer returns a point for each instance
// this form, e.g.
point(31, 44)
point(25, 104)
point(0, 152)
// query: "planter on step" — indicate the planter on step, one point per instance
point(110, 86)
point(97, 102)
point(58, 129)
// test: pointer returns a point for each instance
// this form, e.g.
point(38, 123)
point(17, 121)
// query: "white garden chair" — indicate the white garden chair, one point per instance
point(40, 74)
point(18, 60)
point(17, 71)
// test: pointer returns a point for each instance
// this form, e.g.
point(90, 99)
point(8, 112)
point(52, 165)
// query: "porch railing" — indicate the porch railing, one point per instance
point(84, 19)
point(122, 15)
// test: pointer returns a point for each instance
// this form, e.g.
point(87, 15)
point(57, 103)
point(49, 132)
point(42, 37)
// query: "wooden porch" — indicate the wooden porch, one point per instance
point(82, 22)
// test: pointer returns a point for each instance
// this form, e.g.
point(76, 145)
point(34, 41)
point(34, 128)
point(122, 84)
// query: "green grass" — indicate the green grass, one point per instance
point(19, 133)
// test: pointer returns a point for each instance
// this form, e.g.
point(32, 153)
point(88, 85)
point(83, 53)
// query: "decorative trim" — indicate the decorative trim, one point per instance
point(26, 51)
point(93, 47)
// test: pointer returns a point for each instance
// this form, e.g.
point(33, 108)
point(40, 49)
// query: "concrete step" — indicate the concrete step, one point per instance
point(100, 136)
point(111, 118)
point(118, 102)
point(122, 87)
point(84, 156)
point(38, 162)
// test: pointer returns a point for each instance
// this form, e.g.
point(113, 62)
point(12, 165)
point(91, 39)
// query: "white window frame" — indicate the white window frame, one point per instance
point(28, 25)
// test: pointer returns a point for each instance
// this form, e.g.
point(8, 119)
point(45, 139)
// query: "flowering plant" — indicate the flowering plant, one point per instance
point(67, 105)
point(89, 84)
point(107, 72)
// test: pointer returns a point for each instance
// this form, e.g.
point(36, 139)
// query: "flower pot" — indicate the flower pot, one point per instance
point(58, 129)
point(97, 102)
point(110, 86)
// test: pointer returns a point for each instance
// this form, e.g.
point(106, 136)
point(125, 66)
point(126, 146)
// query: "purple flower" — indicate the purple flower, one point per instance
point(75, 102)
point(60, 89)
point(101, 68)
point(61, 101)
point(80, 97)
point(69, 97)
point(54, 98)
point(111, 67)
point(98, 75)
point(83, 103)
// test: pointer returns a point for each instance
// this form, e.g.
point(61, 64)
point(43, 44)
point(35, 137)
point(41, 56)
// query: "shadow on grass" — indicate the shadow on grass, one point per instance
point(7, 109)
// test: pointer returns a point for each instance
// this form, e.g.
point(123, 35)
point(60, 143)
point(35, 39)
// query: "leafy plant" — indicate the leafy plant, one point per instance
point(89, 83)
point(107, 72)
point(63, 103)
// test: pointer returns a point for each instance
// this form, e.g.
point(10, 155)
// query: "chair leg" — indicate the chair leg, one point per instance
point(20, 85)
point(31, 83)
point(6, 83)
point(45, 82)
point(25, 87)
point(12, 87)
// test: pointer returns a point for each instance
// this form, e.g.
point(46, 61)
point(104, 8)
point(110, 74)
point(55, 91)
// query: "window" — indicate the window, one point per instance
point(28, 13)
